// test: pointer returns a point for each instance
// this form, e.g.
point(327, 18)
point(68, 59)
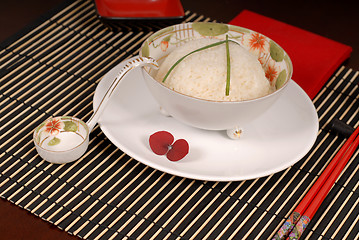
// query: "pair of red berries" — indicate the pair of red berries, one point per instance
point(162, 143)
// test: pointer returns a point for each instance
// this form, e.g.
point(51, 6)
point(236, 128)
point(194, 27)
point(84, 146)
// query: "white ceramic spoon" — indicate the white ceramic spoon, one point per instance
point(65, 139)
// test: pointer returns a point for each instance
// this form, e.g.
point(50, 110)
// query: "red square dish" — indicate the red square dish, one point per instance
point(139, 9)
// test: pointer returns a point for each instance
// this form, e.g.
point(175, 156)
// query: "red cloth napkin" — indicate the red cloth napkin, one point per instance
point(315, 58)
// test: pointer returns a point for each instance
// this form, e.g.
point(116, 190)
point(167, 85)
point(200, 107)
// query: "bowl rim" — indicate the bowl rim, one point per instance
point(37, 129)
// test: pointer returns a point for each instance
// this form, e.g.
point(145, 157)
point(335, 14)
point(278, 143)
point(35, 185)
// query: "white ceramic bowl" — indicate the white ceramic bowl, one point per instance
point(61, 139)
point(207, 114)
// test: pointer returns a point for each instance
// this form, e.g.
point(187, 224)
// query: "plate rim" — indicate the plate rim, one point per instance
point(204, 177)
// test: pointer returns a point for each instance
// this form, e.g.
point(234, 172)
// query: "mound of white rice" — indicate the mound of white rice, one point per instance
point(204, 73)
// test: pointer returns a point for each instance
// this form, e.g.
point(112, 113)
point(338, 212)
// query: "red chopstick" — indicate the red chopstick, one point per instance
point(303, 213)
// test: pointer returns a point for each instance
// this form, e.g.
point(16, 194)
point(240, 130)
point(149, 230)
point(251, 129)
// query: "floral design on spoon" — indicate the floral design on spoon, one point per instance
point(53, 126)
point(56, 125)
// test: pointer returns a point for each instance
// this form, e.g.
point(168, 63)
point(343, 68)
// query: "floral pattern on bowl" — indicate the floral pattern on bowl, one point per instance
point(274, 60)
point(48, 134)
point(59, 138)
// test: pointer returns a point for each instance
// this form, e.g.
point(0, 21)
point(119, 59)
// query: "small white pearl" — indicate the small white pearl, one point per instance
point(234, 133)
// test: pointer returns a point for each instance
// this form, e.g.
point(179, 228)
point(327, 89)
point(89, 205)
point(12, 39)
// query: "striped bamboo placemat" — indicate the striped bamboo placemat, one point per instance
point(54, 70)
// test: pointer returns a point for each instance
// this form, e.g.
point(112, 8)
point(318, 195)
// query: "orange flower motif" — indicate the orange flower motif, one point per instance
point(271, 72)
point(164, 46)
point(53, 126)
point(257, 43)
point(165, 43)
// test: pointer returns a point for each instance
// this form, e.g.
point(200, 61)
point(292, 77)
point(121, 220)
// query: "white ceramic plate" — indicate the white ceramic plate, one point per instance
point(271, 143)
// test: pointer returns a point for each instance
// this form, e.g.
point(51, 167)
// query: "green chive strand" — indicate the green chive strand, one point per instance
point(228, 67)
point(203, 48)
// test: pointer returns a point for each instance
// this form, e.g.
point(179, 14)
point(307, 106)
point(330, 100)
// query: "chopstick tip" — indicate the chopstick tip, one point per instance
point(341, 128)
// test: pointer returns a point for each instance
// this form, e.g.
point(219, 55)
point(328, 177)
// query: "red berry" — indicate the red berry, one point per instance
point(160, 142)
point(179, 150)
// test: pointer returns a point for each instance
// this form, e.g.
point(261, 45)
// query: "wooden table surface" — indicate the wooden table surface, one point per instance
point(334, 20)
